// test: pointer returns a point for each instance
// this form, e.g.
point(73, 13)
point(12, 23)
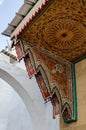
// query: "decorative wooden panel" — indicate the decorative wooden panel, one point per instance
point(19, 51)
point(60, 28)
point(56, 106)
point(42, 85)
point(55, 76)
point(29, 66)
point(55, 38)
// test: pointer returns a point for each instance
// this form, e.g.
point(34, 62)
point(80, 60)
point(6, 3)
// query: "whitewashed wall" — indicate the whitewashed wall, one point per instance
point(13, 112)
point(22, 105)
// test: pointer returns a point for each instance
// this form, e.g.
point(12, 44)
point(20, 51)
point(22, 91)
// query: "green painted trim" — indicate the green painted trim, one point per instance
point(75, 93)
point(69, 121)
point(74, 119)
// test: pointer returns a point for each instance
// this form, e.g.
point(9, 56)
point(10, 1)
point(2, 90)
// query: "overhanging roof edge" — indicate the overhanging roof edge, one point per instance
point(6, 31)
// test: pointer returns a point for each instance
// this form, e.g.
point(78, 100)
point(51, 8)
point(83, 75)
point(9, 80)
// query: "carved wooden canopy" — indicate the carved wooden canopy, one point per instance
point(60, 27)
point(50, 41)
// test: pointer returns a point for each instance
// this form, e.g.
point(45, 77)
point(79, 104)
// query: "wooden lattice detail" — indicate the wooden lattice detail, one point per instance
point(61, 29)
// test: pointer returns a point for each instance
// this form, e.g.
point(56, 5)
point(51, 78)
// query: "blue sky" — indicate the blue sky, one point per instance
point(8, 9)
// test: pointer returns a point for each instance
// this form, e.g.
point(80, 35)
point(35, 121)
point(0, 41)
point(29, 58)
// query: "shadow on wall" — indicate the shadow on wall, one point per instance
point(40, 118)
point(12, 109)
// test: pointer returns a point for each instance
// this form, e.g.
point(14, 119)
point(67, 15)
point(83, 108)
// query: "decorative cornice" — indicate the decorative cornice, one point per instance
point(36, 13)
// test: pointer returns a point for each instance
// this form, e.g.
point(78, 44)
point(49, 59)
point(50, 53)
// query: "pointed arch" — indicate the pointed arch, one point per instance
point(43, 82)
point(29, 66)
point(66, 113)
point(56, 102)
point(32, 58)
point(56, 92)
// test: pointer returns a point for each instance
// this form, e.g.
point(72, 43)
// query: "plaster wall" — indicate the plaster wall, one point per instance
point(40, 114)
point(80, 68)
point(13, 112)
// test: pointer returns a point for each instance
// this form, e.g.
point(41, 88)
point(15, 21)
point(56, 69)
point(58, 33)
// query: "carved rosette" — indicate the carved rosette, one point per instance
point(61, 29)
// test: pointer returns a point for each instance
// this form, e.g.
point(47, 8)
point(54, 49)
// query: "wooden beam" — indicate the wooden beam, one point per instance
point(12, 25)
point(20, 15)
point(29, 2)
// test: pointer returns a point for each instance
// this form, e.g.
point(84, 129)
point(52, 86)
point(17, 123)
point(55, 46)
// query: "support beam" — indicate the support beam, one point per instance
point(55, 78)
point(12, 25)
point(29, 2)
point(20, 15)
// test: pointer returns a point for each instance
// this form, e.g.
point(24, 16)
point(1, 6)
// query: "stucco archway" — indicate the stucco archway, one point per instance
point(31, 96)
point(16, 86)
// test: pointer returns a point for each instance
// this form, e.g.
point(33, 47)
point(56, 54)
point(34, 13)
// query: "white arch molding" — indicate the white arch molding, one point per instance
point(13, 110)
point(16, 86)
point(41, 114)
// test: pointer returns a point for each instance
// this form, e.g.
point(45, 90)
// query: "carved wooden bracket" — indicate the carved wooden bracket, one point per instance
point(55, 78)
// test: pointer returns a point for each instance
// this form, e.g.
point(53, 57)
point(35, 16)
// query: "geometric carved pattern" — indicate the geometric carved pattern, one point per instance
point(29, 66)
point(66, 112)
point(19, 51)
point(54, 77)
point(56, 74)
point(58, 71)
point(56, 106)
point(61, 29)
point(63, 34)
point(42, 84)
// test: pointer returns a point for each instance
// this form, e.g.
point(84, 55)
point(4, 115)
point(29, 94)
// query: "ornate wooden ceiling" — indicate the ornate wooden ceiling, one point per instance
point(45, 42)
point(61, 29)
